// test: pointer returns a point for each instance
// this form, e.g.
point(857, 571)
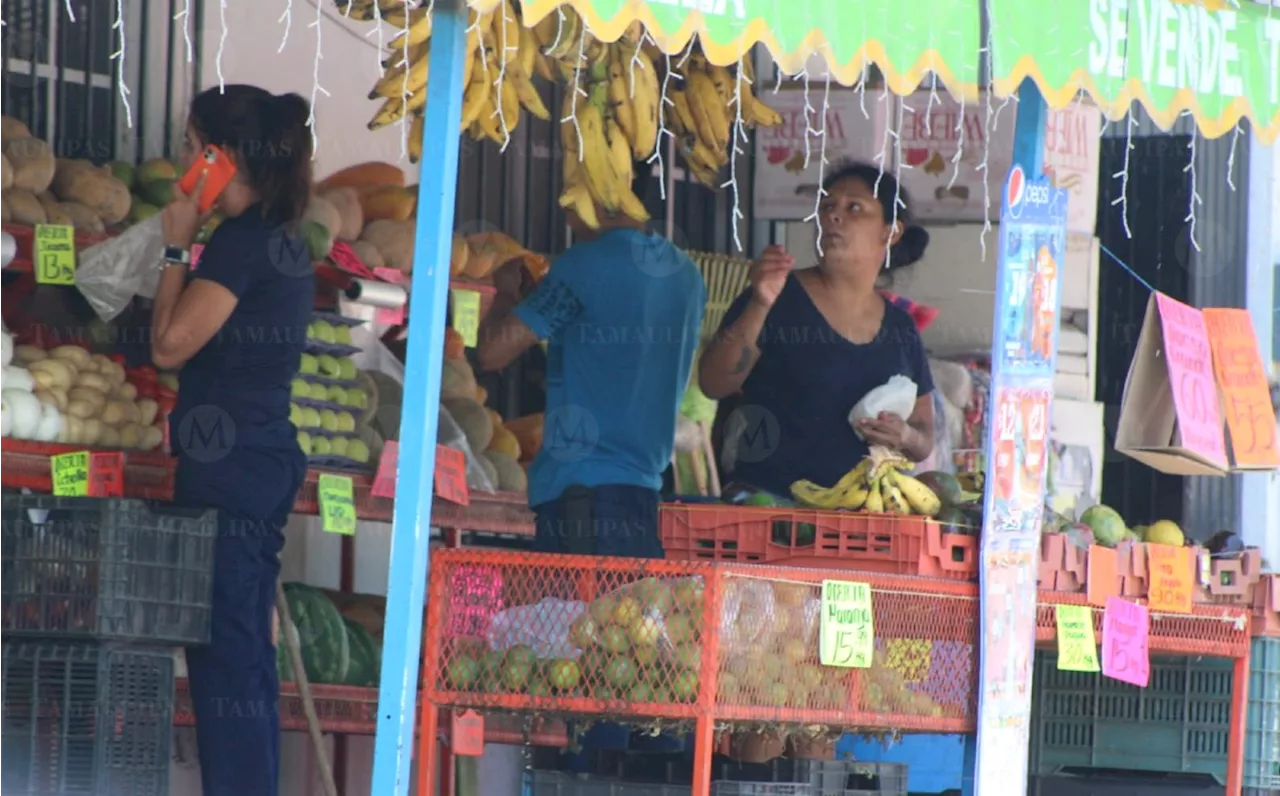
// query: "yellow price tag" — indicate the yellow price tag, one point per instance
point(846, 626)
point(70, 474)
point(54, 254)
point(337, 504)
point(1077, 647)
point(466, 315)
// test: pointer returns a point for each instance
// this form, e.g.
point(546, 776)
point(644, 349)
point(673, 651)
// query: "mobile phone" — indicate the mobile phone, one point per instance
point(214, 162)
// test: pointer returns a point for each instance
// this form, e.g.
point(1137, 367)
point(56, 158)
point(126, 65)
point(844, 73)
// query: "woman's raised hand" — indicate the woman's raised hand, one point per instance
point(769, 274)
point(182, 218)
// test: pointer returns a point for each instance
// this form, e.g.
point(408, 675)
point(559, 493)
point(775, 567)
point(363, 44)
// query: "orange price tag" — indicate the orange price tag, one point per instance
point(466, 736)
point(1103, 580)
point(1172, 574)
point(106, 475)
point(451, 475)
point(1237, 366)
point(384, 482)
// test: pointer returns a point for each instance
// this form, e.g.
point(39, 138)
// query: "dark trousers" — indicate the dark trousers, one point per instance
point(611, 520)
point(234, 684)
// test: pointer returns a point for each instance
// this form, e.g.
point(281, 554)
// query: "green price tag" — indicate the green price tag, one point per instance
point(54, 254)
point(1077, 649)
point(466, 315)
point(847, 628)
point(337, 504)
point(70, 473)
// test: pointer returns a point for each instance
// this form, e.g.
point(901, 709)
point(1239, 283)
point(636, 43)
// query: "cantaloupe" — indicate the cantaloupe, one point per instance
point(347, 202)
point(363, 175)
point(368, 253)
point(473, 419)
point(511, 476)
point(386, 202)
point(505, 442)
point(490, 471)
point(457, 379)
point(394, 239)
point(32, 161)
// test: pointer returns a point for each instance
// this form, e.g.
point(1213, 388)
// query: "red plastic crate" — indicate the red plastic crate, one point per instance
point(1232, 581)
point(894, 544)
point(1062, 565)
point(1266, 606)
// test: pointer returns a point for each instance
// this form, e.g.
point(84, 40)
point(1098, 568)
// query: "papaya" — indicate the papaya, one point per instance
point(363, 175)
point(454, 347)
point(386, 203)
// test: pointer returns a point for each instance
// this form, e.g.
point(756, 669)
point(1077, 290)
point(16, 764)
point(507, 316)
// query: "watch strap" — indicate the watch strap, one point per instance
point(176, 255)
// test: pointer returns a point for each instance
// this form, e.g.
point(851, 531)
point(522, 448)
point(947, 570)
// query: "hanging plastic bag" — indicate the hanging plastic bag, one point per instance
point(111, 273)
point(897, 396)
point(450, 434)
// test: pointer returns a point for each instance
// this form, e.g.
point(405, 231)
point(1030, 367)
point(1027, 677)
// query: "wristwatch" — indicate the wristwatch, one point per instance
point(176, 255)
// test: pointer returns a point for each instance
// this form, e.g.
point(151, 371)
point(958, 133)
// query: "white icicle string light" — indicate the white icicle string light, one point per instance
point(222, 43)
point(578, 90)
point(656, 157)
point(955, 159)
point(1231, 157)
point(635, 61)
point(735, 149)
point(928, 108)
point(118, 55)
point(816, 216)
point(185, 16)
point(989, 126)
point(808, 115)
point(287, 18)
point(71, 12)
point(404, 83)
point(1190, 169)
point(375, 31)
point(898, 166)
point(862, 89)
point(884, 137)
point(502, 77)
point(1123, 174)
point(559, 30)
point(316, 88)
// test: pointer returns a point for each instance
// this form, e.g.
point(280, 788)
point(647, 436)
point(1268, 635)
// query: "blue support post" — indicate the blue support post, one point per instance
point(411, 530)
point(1028, 152)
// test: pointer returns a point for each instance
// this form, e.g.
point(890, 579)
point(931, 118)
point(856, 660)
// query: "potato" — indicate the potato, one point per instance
point(394, 240)
point(56, 397)
point(130, 435)
point(113, 372)
point(147, 410)
point(108, 437)
point(72, 429)
point(101, 193)
point(52, 373)
point(368, 254)
point(152, 436)
point(24, 207)
point(90, 431)
point(83, 218)
point(114, 413)
point(33, 163)
point(82, 409)
point(74, 354)
point(94, 381)
point(125, 392)
point(94, 398)
point(6, 173)
point(26, 354)
point(346, 202)
point(11, 128)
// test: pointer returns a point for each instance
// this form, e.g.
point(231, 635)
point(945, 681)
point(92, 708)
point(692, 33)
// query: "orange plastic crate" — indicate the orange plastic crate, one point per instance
point(889, 543)
point(1266, 606)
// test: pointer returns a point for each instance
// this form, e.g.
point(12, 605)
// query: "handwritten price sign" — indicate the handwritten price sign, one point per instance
point(847, 627)
point(1172, 575)
point(1190, 364)
point(451, 475)
point(84, 474)
point(1237, 363)
point(466, 315)
point(1077, 648)
point(1126, 631)
point(337, 504)
point(54, 253)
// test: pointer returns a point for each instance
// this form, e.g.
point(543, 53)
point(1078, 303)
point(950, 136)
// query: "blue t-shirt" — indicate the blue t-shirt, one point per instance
point(796, 401)
point(235, 391)
point(621, 316)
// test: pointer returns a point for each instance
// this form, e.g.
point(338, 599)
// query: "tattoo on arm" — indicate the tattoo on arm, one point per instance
point(744, 361)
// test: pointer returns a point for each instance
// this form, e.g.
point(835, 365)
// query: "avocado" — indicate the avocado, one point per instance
point(944, 485)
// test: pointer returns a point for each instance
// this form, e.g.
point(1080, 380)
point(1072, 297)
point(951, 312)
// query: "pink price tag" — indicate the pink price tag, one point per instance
point(1189, 360)
point(1126, 628)
point(475, 597)
point(384, 482)
point(197, 249)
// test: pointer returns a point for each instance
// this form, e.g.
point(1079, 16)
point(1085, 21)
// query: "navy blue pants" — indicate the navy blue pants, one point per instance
point(235, 688)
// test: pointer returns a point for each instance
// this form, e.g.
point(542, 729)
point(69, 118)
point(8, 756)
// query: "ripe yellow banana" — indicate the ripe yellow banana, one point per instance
point(813, 496)
point(631, 205)
point(619, 157)
point(477, 91)
point(921, 498)
point(855, 497)
point(577, 197)
point(530, 99)
point(395, 58)
point(875, 498)
point(644, 104)
point(400, 17)
point(507, 32)
point(683, 117)
point(595, 154)
point(510, 103)
point(726, 84)
point(565, 34)
point(419, 31)
point(708, 110)
point(619, 93)
point(527, 58)
point(415, 138)
point(395, 108)
point(754, 110)
point(894, 502)
point(395, 83)
point(542, 65)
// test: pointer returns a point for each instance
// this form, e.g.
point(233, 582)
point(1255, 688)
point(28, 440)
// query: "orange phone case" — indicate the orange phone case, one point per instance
point(220, 170)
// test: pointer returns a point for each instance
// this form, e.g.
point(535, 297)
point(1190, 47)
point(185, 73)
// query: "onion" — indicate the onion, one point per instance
point(50, 423)
point(26, 412)
point(6, 349)
point(16, 378)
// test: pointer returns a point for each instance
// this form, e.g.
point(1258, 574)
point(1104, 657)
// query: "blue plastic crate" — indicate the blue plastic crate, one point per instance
point(1262, 733)
point(1178, 724)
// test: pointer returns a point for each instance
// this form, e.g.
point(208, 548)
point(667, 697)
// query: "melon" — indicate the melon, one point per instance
point(326, 651)
point(474, 421)
point(1106, 523)
point(1165, 532)
point(511, 476)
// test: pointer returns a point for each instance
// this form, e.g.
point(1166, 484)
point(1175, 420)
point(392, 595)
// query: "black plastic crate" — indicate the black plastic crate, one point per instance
point(109, 569)
point(85, 719)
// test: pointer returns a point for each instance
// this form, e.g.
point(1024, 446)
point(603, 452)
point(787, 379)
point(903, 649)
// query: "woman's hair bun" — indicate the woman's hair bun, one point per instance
point(291, 109)
point(910, 247)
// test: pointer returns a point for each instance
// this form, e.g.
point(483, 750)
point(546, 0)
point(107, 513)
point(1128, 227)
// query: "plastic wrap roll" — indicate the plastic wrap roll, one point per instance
point(377, 294)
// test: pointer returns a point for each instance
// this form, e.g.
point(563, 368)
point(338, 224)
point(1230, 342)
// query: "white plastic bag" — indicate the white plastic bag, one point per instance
point(111, 273)
point(450, 434)
point(897, 396)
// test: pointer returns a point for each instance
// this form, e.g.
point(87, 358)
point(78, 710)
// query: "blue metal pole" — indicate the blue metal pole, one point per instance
point(411, 529)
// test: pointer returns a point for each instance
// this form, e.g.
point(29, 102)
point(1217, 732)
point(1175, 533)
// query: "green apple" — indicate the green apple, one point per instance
point(310, 417)
point(347, 368)
point(324, 332)
point(312, 333)
point(308, 365)
point(357, 398)
point(339, 445)
point(317, 391)
point(346, 422)
point(358, 451)
point(329, 367)
point(320, 446)
point(342, 334)
point(304, 442)
point(337, 395)
point(300, 389)
point(329, 420)
point(295, 414)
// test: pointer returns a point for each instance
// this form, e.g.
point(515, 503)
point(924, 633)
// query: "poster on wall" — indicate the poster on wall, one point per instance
point(959, 153)
point(1032, 242)
point(787, 169)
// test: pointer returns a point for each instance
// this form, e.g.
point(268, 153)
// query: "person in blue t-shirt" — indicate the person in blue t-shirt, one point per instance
point(803, 347)
point(235, 323)
point(621, 312)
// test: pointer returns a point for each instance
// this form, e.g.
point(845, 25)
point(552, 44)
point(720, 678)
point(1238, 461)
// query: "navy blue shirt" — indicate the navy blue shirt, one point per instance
point(621, 316)
point(796, 400)
point(235, 391)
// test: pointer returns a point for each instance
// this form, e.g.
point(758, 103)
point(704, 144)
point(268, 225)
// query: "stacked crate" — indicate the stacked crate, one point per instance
point(94, 593)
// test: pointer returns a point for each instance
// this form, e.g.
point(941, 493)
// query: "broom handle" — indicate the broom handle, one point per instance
point(304, 691)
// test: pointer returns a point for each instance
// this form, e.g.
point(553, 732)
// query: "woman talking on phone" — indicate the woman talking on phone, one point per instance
point(235, 324)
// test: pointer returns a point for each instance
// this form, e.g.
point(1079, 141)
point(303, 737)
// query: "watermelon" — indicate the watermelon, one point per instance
point(326, 652)
point(366, 658)
point(283, 668)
